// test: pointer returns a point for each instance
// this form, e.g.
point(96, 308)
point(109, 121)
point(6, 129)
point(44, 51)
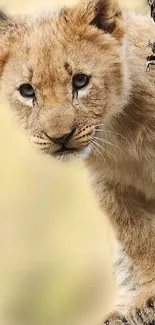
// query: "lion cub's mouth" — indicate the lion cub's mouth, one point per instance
point(66, 151)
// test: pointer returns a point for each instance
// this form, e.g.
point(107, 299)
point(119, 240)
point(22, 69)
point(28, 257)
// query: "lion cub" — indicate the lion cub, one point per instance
point(76, 80)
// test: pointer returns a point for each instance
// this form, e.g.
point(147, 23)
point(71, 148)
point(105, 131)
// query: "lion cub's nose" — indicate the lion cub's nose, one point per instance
point(62, 140)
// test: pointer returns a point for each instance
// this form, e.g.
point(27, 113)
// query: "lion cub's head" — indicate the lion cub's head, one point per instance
point(63, 73)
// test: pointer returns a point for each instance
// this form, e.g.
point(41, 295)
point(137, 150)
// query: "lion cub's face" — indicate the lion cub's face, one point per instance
point(64, 73)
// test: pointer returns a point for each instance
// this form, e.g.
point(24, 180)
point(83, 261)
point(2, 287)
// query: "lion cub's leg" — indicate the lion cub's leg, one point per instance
point(127, 284)
point(132, 217)
point(143, 309)
point(115, 318)
point(138, 307)
point(136, 302)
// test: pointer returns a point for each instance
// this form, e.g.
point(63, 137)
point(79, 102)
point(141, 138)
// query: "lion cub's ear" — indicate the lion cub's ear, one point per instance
point(7, 28)
point(106, 15)
point(4, 20)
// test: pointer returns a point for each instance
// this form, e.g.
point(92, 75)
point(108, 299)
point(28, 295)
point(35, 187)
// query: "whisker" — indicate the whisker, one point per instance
point(108, 131)
point(111, 144)
point(99, 124)
point(39, 140)
point(41, 143)
point(107, 152)
point(41, 146)
point(92, 143)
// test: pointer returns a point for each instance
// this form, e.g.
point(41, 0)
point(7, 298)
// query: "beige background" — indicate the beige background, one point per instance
point(55, 243)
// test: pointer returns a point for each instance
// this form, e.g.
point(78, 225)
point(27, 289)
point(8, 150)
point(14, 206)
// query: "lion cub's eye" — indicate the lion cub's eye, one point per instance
point(27, 91)
point(80, 81)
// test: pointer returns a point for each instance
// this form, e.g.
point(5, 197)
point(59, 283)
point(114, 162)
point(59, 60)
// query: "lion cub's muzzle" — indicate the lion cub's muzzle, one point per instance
point(75, 141)
point(63, 142)
point(70, 143)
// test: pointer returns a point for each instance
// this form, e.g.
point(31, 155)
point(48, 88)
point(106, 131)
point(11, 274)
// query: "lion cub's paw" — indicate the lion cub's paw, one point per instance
point(144, 313)
point(114, 319)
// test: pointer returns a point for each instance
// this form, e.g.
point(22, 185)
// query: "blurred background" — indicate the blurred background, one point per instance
point(55, 243)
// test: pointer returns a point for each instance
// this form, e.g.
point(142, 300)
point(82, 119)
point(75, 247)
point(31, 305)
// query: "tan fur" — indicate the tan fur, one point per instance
point(114, 119)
